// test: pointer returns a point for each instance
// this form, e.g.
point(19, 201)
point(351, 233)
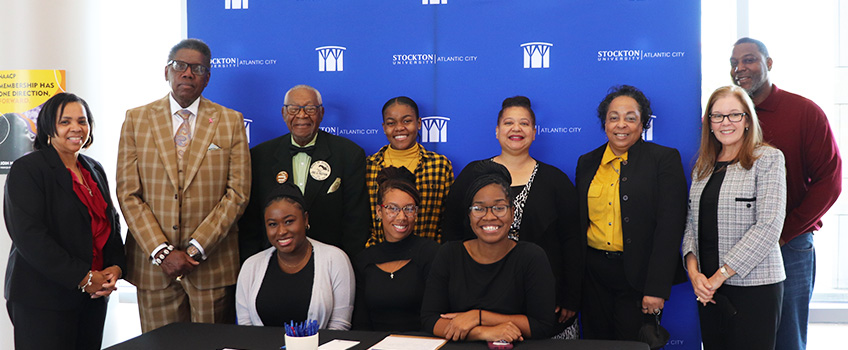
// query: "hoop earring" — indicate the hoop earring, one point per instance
point(48, 139)
point(307, 227)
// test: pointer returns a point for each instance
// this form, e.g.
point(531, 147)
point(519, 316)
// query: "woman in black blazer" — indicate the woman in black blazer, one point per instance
point(67, 252)
point(545, 206)
point(632, 199)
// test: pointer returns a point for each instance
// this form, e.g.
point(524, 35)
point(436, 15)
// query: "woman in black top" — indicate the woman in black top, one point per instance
point(491, 287)
point(545, 205)
point(390, 276)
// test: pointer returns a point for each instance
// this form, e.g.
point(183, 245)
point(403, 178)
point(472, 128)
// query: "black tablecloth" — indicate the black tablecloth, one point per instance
point(203, 336)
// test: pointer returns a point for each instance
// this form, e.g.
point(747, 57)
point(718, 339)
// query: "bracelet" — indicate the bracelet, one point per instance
point(480, 317)
point(86, 284)
point(160, 256)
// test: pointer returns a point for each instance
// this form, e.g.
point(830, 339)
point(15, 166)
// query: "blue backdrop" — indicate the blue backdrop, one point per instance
point(458, 59)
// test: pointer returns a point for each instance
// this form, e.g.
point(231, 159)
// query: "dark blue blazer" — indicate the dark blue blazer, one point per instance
point(51, 231)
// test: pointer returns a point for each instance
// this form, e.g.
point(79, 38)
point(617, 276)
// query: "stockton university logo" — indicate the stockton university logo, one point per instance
point(433, 2)
point(235, 4)
point(434, 129)
point(537, 55)
point(648, 135)
point(330, 58)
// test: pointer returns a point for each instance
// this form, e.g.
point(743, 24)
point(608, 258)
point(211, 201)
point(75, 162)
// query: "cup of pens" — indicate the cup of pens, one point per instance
point(302, 336)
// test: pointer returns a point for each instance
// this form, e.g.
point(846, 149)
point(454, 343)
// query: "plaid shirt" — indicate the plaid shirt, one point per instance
point(433, 178)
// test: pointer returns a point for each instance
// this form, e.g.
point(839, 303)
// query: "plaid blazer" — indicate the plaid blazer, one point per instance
point(159, 209)
point(751, 209)
point(433, 178)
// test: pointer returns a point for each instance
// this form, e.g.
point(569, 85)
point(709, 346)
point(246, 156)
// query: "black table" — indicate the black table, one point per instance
point(203, 336)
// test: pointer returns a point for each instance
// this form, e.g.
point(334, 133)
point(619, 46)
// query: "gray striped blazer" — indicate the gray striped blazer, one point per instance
point(751, 209)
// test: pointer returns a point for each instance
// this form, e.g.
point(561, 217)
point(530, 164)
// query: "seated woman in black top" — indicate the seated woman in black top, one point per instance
point(297, 278)
point(489, 288)
point(390, 276)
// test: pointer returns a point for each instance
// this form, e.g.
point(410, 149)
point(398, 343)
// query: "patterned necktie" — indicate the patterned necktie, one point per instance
point(183, 136)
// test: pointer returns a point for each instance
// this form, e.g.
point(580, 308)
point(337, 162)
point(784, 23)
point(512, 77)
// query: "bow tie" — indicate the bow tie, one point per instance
point(296, 149)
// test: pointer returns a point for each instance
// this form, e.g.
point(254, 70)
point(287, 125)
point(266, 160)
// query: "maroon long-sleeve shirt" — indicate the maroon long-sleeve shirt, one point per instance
point(799, 128)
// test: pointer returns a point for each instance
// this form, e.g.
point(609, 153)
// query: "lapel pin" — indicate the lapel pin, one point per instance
point(320, 170)
point(282, 177)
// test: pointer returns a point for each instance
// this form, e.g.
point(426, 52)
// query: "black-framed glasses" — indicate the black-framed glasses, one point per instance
point(196, 68)
point(479, 211)
point(295, 109)
point(393, 210)
point(716, 118)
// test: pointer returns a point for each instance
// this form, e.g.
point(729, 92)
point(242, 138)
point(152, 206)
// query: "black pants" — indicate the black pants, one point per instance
point(37, 328)
point(742, 317)
point(612, 309)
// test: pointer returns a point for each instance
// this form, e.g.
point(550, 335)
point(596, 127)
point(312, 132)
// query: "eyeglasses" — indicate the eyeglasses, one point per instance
point(716, 118)
point(196, 68)
point(295, 109)
point(393, 210)
point(479, 211)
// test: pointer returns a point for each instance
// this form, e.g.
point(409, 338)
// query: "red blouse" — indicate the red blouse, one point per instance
point(100, 226)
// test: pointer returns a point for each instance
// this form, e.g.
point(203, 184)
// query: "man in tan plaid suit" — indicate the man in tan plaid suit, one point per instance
point(183, 180)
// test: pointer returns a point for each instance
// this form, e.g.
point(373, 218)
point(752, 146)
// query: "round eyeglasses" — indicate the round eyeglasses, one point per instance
point(393, 210)
point(479, 211)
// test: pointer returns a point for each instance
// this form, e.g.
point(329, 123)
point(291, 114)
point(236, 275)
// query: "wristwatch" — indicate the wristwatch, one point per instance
point(193, 252)
point(724, 272)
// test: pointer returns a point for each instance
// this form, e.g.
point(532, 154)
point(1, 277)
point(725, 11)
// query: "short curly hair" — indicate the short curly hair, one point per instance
point(632, 92)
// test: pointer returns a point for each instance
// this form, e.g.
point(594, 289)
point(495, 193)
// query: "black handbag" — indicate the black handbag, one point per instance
point(653, 334)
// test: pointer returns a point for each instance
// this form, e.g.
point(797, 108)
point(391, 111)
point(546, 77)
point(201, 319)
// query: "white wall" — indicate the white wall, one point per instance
point(114, 53)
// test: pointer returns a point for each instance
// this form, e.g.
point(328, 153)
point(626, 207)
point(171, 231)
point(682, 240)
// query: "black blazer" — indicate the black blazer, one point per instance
point(549, 220)
point(341, 218)
point(653, 213)
point(51, 231)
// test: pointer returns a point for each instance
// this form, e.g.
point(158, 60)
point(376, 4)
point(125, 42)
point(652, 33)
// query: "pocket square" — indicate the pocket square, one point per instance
point(213, 147)
point(335, 186)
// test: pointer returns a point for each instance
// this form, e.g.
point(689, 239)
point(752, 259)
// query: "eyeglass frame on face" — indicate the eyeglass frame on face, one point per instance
point(479, 214)
point(713, 116)
point(297, 109)
point(393, 210)
point(196, 68)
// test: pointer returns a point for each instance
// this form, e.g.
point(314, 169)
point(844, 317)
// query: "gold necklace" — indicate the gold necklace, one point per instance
point(305, 257)
point(82, 181)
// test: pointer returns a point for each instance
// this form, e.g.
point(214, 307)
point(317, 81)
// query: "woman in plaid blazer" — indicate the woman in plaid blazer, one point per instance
point(433, 172)
point(737, 205)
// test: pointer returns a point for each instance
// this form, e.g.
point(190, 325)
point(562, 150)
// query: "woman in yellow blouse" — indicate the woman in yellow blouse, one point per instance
point(632, 197)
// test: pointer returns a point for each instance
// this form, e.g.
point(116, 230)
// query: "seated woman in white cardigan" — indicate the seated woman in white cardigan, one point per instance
point(297, 278)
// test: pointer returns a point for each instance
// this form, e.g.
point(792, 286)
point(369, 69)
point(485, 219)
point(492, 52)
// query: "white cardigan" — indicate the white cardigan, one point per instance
point(332, 289)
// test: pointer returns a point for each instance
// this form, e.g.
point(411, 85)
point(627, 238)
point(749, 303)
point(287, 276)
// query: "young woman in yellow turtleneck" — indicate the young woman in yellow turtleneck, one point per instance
point(433, 171)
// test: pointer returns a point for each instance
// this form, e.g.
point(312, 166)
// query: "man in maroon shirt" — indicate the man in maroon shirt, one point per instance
point(800, 129)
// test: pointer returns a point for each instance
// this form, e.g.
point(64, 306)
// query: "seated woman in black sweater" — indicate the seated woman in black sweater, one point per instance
point(390, 276)
point(489, 288)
